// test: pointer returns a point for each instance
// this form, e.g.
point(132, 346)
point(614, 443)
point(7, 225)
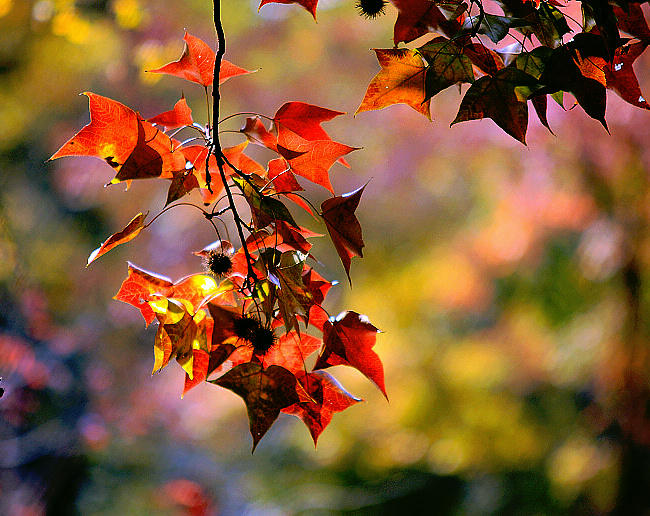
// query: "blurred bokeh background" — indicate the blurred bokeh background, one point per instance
point(512, 285)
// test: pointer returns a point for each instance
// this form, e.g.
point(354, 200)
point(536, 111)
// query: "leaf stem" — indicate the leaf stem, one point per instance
point(169, 207)
point(244, 113)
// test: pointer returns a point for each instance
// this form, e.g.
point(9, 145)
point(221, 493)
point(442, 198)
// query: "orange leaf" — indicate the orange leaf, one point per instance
point(111, 135)
point(400, 81)
point(196, 64)
point(312, 159)
point(291, 351)
point(139, 285)
point(132, 146)
point(283, 179)
point(154, 155)
point(200, 361)
point(258, 134)
point(127, 234)
point(177, 117)
point(304, 119)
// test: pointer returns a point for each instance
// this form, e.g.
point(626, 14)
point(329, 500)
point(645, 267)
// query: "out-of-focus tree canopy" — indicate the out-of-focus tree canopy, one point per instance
point(511, 285)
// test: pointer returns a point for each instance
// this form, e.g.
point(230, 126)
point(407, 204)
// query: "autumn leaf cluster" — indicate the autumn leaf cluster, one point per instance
point(254, 321)
point(510, 52)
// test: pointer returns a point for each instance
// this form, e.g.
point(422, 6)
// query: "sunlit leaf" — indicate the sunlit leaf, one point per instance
point(196, 64)
point(348, 340)
point(180, 115)
point(400, 81)
point(328, 396)
point(131, 231)
point(343, 226)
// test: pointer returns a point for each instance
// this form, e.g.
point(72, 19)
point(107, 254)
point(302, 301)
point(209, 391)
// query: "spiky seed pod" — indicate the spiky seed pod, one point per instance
point(245, 327)
point(371, 9)
point(218, 263)
point(253, 331)
point(263, 340)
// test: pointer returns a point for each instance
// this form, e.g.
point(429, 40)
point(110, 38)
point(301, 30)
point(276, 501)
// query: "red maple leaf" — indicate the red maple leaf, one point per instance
point(343, 226)
point(319, 287)
point(327, 397)
point(200, 362)
point(130, 145)
point(304, 119)
point(180, 115)
point(131, 230)
point(177, 330)
point(196, 64)
point(348, 340)
point(310, 5)
point(111, 135)
point(620, 76)
point(139, 285)
point(419, 17)
point(258, 134)
point(291, 350)
point(311, 159)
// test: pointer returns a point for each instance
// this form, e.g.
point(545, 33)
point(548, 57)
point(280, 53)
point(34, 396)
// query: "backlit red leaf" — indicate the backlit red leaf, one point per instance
point(176, 333)
point(319, 287)
point(400, 81)
point(343, 226)
point(304, 120)
point(328, 398)
point(620, 75)
point(139, 285)
point(196, 289)
point(111, 135)
point(348, 340)
point(131, 230)
point(155, 155)
point(197, 371)
point(312, 159)
point(283, 179)
point(200, 361)
point(130, 145)
point(291, 351)
point(419, 17)
point(177, 117)
point(310, 5)
point(196, 64)
point(258, 134)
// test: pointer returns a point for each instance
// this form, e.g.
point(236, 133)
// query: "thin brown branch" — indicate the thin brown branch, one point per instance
point(251, 277)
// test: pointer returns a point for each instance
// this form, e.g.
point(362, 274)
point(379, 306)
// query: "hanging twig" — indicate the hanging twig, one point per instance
point(251, 277)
